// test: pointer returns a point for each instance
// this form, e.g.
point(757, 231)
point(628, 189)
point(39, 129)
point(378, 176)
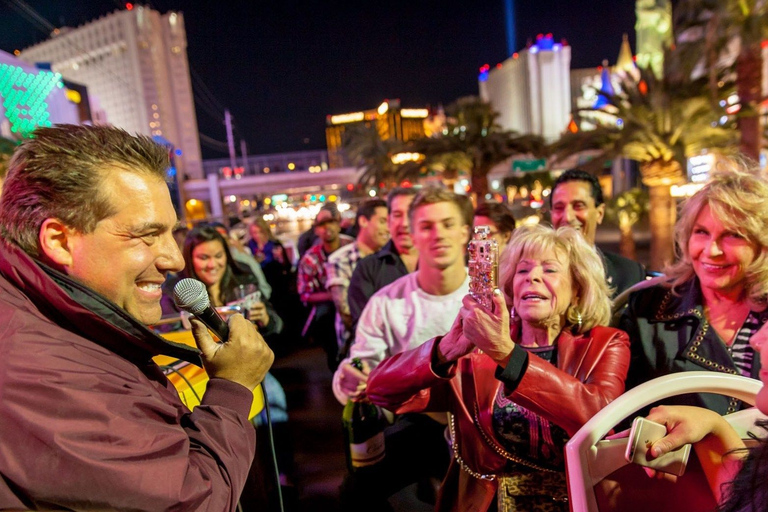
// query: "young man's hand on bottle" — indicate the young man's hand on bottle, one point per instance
point(353, 381)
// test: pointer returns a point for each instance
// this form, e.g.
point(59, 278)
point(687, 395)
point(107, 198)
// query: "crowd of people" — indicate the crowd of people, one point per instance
point(480, 401)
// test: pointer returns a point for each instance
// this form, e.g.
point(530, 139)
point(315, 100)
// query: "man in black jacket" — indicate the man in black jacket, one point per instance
point(397, 258)
point(577, 201)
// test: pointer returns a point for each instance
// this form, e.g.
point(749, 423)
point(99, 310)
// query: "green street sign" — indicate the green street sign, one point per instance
point(529, 165)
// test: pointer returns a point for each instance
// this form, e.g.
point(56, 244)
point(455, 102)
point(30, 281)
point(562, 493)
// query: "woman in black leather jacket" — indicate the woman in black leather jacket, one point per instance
point(703, 316)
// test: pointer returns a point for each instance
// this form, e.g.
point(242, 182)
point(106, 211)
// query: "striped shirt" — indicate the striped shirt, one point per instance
point(740, 350)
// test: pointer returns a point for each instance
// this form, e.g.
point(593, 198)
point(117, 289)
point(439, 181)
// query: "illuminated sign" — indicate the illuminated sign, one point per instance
point(24, 95)
point(347, 118)
point(419, 113)
point(529, 165)
point(699, 167)
point(686, 190)
point(74, 96)
point(400, 158)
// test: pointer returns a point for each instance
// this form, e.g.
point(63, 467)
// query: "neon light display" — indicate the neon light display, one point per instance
point(24, 97)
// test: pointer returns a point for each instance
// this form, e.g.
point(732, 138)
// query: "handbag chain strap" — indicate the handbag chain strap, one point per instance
point(462, 464)
point(501, 451)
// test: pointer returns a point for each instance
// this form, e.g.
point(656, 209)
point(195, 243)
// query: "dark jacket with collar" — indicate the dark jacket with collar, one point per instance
point(669, 333)
point(371, 274)
point(89, 421)
point(620, 272)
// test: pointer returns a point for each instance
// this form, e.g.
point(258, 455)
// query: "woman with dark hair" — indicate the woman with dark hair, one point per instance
point(738, 477)
point(207, 259)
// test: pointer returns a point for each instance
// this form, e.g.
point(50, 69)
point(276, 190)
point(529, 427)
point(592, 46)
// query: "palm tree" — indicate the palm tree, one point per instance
point(626, 209)
point(472, 130)
point(658, 124)
point(365, 149)
point(450, 166)
point(727, 35)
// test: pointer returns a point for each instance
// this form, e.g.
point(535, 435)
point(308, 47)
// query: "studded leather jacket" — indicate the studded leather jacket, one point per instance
point(669, 333)
point(590, 373)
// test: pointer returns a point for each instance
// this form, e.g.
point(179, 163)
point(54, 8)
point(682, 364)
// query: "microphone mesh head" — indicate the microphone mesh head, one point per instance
point(191, 296)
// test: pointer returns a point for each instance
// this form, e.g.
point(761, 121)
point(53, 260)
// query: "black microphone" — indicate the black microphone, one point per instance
point(191, 296)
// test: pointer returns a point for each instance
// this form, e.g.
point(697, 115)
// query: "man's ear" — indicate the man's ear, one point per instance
point(600, 213)
point(55, 242)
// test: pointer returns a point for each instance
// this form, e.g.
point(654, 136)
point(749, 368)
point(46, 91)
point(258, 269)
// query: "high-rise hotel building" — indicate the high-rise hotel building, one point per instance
point(531, 89)
point(135, 64)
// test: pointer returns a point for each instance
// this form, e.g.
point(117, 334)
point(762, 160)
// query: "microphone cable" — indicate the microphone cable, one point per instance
point(270, 436)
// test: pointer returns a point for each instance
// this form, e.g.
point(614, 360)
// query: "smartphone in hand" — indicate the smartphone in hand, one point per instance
point(642, 435)
point(483, 266)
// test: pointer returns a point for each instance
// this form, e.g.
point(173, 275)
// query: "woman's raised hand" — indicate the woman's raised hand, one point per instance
point(453, 345)
point(488, 331)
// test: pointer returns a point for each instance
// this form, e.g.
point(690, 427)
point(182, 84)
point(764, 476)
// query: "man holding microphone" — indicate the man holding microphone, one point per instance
point(88, 421)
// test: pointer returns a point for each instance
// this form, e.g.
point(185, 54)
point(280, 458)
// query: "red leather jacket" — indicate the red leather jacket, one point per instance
point(590, 373)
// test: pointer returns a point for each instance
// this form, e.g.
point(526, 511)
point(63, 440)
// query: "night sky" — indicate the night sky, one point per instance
point(281, 66)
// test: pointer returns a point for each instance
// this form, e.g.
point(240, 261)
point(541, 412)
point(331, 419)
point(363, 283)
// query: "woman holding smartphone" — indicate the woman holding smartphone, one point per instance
point(519, 381)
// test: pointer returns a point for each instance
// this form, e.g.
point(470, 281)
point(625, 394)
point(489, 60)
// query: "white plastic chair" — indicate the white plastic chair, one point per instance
point(590, 459)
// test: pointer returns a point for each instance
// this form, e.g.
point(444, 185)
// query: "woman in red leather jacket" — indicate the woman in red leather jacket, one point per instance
point(518, 382)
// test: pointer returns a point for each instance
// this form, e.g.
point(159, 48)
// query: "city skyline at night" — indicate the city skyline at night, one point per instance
point(280, 69)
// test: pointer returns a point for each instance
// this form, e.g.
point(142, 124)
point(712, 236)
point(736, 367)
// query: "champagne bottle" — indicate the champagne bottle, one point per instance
point(363, 431)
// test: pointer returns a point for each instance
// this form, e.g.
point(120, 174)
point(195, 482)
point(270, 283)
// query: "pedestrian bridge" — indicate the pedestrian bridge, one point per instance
point(213, 189)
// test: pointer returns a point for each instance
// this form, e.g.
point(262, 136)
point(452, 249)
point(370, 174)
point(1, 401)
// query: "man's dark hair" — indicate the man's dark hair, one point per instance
point(215, 224)
point(747, 490)
point(331, 207)
point(579, 175)
point(367, 209)
point(397, 192)
point(59, 172)
point(500, 214)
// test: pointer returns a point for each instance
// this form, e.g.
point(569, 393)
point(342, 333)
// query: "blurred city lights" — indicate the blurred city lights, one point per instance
point(415, 113)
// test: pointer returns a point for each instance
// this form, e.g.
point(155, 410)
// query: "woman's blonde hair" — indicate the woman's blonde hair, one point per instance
point(737, 195)
point(264, 226)
point(587, 273)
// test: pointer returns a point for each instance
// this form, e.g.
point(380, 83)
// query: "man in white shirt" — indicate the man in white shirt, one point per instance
point(403, 315)
point(372, 234)
point(421, 305)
